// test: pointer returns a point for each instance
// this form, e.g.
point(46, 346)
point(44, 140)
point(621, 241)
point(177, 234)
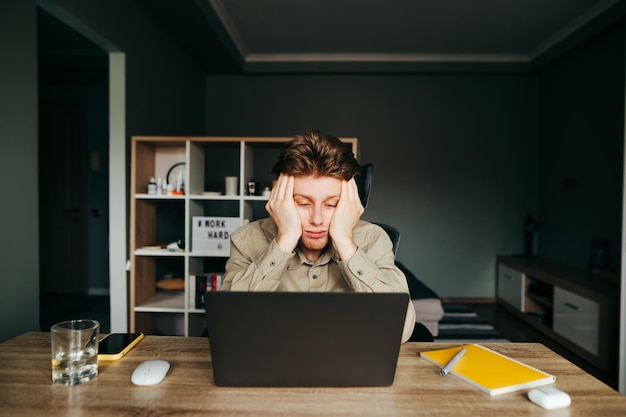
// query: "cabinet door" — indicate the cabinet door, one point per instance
point(577, 318)
point(510, 286)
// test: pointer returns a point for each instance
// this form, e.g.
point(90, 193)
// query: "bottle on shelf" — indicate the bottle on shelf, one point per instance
point(160, 186)
point(251, 187)
point(152, 186)
point(179, 186)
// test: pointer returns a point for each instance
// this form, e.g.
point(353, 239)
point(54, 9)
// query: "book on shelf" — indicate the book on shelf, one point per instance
point(488, 370)
point(201, 283)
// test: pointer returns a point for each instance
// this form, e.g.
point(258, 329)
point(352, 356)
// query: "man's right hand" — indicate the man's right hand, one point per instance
point(282, 210)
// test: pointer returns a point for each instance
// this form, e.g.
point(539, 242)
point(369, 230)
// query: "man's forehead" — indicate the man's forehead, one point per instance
point(317, 187)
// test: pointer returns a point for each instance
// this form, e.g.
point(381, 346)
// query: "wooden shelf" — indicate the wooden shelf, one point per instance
point(164, 303)
point(158, 252)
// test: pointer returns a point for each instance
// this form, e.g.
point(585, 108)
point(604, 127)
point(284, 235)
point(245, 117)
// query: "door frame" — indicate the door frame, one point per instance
point(118, 259)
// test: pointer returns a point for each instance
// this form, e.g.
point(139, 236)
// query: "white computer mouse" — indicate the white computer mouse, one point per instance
point(549, 398)
point(150, 372)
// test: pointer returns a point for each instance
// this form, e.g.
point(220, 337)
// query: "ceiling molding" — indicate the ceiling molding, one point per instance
point(386, 58)
point(229, 27)
point(573, 27)
point(384, 63)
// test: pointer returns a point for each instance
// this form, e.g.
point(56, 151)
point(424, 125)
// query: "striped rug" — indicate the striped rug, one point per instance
point(461, 324)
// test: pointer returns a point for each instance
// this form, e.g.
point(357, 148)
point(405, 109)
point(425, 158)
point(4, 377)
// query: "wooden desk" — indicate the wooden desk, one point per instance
point(188, 390)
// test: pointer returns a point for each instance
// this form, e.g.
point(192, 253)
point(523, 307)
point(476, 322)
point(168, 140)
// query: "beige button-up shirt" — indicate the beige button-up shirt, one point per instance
point(257, 263)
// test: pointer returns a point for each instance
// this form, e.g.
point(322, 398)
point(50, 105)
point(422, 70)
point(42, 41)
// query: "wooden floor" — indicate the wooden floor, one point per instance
point(516, 330)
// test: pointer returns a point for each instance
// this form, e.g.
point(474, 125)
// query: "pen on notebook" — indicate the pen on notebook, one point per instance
point(452, 362)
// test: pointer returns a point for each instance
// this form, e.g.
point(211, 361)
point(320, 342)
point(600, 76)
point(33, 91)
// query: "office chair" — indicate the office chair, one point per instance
point(364, 185)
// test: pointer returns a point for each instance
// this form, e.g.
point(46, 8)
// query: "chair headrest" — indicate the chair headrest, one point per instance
point(364, 183)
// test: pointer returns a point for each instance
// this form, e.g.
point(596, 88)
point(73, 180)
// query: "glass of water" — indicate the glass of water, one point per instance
point(74, 351)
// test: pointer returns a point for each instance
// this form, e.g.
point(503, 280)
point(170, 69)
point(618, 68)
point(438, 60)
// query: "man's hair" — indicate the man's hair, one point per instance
point(312, 153)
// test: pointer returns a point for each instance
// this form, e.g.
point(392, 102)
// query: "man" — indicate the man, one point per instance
point(314, 239)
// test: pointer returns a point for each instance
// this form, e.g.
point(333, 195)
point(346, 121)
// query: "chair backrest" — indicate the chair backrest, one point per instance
point(394, 235)
point(364, 184)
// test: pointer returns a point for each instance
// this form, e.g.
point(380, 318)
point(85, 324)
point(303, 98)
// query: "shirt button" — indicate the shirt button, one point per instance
point(272, 263)
point(359, 272)
point(314, 276)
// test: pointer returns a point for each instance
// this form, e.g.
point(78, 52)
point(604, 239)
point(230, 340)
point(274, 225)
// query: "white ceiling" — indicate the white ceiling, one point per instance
point(378, 35)
point(274, 33)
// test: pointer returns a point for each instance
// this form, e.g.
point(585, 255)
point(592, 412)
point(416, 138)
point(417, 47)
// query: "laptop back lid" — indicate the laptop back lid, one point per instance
point(288, 339)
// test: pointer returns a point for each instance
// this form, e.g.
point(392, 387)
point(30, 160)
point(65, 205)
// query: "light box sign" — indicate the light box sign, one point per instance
point(212, 234)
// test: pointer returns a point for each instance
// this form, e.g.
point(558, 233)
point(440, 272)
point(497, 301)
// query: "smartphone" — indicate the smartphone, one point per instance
point(116, 345)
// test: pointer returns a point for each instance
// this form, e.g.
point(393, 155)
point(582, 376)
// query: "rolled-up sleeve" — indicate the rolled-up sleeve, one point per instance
point(255, 264)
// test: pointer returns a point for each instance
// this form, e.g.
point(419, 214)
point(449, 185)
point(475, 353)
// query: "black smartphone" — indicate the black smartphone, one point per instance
point(115, 345)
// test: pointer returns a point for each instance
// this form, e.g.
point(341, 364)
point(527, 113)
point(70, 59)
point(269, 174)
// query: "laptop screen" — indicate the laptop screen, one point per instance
point(304, 339)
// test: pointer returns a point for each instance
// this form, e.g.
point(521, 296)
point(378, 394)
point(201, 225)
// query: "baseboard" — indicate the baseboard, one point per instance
point(469, 300)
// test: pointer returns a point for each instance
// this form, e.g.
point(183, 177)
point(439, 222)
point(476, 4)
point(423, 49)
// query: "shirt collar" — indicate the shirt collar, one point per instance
point(299, 259)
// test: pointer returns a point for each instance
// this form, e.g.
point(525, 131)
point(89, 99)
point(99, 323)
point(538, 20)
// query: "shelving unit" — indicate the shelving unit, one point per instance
point(576, 309)
point(157, 220)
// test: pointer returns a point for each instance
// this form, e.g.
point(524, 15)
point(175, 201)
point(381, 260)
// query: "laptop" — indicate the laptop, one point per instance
point(299, 339)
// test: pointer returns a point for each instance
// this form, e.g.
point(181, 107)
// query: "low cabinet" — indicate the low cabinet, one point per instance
point(576, 309)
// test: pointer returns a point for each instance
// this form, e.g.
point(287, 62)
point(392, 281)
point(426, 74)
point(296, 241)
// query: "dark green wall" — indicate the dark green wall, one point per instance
point(581, 151)
point(455, 156)
point(19, 250)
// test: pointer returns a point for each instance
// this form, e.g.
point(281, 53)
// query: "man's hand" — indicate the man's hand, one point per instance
point(282, 210)
point(347, 214)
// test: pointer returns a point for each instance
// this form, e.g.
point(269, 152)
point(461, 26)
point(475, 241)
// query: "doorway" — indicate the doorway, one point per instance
point(73, 175)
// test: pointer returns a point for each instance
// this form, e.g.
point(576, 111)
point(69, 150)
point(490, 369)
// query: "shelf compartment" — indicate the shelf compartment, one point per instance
point(158, 222)
point(209, 163)
point(259, 159)
point(540, 299)
point(254, 210)
point(148, 270)
point(153, 158)
point(214, 208)
point(164, 303)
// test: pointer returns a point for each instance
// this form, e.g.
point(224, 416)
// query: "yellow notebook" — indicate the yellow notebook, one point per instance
point(490, 371)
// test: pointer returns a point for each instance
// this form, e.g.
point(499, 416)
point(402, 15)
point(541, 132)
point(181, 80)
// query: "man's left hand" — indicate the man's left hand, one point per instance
point(347, 214)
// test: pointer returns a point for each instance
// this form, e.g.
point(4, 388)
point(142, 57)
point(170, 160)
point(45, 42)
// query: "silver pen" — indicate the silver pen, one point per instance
point(446, 369)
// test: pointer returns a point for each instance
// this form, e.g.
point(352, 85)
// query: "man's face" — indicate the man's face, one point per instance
point(315, 199)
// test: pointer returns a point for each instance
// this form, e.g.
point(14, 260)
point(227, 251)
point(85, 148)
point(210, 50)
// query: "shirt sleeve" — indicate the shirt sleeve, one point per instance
point(372, 269)
point(254, 264)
